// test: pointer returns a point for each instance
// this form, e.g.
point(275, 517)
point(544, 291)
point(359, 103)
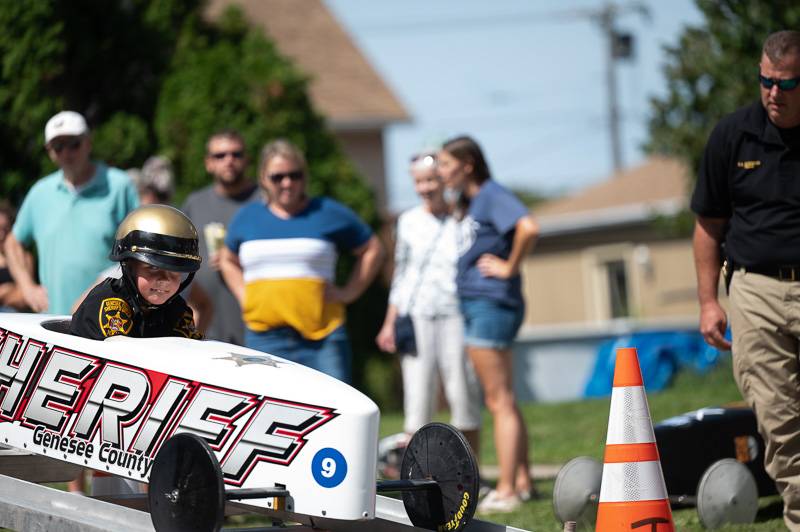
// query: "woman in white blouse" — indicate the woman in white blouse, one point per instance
point(424, 287)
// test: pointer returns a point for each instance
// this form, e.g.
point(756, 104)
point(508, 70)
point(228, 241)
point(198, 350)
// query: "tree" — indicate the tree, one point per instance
point(712, 71)
point(103, 59)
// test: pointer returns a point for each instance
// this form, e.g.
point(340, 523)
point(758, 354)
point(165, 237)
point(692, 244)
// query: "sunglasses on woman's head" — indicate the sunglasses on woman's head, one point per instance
point(426, 158)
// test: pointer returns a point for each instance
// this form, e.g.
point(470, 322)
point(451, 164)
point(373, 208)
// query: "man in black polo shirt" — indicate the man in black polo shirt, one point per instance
point(748, 194)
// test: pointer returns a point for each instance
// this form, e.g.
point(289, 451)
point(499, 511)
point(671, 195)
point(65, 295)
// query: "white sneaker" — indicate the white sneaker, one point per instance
point(390, 454)
point(494, 503)
point(528, 495)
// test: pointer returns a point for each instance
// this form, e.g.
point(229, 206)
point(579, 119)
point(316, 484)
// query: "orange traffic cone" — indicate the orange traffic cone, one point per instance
point(633, 495)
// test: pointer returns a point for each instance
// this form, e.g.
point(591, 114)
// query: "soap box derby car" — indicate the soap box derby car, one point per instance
point(712, 458)
point(204, 422)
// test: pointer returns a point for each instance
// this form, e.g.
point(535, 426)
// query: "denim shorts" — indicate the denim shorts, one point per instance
point(489, 323)
point(331, 355)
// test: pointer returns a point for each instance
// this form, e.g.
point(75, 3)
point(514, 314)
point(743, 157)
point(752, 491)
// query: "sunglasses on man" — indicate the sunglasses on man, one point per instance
point(219, 155)
point(71, 144)
point(277, 177)
point(783, 84)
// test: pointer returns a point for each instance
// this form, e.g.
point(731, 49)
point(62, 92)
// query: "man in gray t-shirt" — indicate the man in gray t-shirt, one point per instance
point(210, 209)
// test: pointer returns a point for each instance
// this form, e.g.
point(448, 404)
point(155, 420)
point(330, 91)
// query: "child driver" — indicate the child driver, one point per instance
point(158, 250)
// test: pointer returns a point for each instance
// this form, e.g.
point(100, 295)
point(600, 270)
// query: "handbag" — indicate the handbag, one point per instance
point(405, 340)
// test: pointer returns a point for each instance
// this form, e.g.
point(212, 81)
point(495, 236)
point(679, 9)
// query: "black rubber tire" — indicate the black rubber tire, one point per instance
point(187, 493)
point(440, 452)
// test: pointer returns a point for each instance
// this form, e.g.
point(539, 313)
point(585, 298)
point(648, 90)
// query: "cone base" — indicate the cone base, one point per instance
point(644, 516)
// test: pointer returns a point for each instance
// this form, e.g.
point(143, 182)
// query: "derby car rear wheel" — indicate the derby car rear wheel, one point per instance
point(186, 487)
point(727, 493)
point(440, 452)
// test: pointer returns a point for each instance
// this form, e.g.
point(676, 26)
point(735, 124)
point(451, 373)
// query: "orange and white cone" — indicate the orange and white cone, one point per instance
point(633, 495)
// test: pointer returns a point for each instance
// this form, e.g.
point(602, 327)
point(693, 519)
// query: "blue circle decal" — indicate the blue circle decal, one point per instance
point(329, 467)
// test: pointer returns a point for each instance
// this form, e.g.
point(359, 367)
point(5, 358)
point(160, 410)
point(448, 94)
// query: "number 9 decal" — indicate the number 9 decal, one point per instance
point(328, 467)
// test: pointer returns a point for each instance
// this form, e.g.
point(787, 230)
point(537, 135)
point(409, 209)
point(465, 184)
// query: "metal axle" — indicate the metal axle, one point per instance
point(406, 485)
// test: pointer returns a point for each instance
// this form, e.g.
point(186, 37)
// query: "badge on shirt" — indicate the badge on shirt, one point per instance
point(115, 317)
point(186, 328)
point(748, 165)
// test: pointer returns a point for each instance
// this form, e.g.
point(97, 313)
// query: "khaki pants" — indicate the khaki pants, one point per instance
point(765, 322)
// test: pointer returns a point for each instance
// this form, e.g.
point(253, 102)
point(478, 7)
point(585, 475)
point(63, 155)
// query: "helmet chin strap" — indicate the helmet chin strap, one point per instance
point(139, 302)
point(183, 286)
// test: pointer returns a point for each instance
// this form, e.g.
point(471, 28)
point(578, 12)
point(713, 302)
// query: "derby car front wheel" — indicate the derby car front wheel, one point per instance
point(438, 452)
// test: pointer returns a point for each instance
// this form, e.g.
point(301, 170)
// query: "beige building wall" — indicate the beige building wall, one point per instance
point(572, 286)
point(669, 286)
point(553, 288)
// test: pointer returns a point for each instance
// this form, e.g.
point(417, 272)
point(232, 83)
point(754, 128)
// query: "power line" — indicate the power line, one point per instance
point(466, 23)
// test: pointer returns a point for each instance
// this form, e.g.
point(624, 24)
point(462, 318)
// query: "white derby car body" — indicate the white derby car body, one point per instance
point(109, 405)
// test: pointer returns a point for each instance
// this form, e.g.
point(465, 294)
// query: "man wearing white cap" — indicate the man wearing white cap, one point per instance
point(70, 217)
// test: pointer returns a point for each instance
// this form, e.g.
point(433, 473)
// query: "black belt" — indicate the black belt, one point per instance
point(781, 273)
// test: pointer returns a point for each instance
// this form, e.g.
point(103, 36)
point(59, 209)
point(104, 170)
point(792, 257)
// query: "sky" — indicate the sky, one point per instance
point(525, 78)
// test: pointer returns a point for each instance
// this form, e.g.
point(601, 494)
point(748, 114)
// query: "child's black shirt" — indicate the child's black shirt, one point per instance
point(108, 310)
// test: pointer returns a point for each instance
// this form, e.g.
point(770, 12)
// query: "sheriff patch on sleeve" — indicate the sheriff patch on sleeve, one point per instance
point(186, 328)
point(115, 317)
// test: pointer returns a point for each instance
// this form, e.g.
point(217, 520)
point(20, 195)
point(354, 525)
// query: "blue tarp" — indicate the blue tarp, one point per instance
point(661, 354)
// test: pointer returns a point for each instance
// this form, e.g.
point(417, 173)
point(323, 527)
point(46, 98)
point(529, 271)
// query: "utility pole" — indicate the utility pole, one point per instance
point(619, 46)
point(606, 17)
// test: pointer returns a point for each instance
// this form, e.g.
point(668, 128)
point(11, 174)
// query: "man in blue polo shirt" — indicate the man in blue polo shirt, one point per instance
point(70, 217)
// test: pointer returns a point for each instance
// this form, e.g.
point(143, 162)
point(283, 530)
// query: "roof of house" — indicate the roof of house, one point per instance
point(656, 187)
point(344, 87)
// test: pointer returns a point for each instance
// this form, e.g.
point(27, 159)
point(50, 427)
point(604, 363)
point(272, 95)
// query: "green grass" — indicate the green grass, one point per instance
point(538, 516)
point(561, 431)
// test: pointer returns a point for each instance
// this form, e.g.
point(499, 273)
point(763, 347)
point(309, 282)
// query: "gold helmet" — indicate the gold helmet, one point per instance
point(159, 235)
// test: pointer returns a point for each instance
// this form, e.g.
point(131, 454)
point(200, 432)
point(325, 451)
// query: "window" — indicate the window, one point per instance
point(617, 289)
point(610, 280)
